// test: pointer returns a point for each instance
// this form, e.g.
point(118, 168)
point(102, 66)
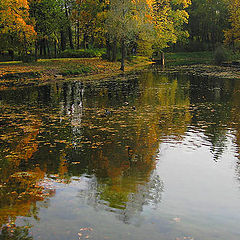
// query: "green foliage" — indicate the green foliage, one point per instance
point(82, 53)
point(28, 58)
point(207, 20)
point(142, 25)
point(50, 19)
point(76, 70)
point(221, 55)
point(137, 59)
point(21, 75)
point(232, 34)
point(144, 48)
point(169, 18)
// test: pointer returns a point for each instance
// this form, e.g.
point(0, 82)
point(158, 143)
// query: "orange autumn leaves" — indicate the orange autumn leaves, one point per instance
point(14, 20)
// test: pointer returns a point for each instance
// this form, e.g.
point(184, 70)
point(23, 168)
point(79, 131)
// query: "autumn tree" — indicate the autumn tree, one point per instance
point(16, 30)
point(148, 23)
point(232, 35)
point(169, 17)
point(86, 16)
point(126, 21)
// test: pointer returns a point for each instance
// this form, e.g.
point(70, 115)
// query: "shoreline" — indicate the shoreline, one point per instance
point(206, 70)
point(18, 74)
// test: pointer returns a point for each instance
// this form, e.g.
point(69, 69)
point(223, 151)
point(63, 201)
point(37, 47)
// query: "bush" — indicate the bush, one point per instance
point(221, 55)
point(82, 53)
point(76, 70)
point(104, 56)
point(28, 58)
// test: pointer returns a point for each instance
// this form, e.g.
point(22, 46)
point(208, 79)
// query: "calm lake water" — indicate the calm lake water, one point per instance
point(146, 156)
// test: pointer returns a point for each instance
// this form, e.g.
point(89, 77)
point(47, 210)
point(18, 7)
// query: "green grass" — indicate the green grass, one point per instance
point(188, 58)
point(82, 53)
point(76, 70)
point(137, 60)
point(10, 63)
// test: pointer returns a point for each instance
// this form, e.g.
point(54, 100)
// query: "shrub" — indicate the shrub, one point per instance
point(221, 55)
point(28, 59)
point(82, 53)
point(76, 70)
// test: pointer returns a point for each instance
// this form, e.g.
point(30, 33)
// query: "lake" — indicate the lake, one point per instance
point(136, 157)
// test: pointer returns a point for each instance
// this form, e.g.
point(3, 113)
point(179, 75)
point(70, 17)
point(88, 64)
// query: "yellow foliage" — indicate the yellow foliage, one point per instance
point(232, 35)
point(14, 20)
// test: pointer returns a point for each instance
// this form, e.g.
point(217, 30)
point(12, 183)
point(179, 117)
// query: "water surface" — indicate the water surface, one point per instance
point(146, 156)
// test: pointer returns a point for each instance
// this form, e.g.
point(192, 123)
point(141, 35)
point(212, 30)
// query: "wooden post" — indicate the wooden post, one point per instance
point(55, 48)
point(123, 55)
point(162, 59)
point(36, 50)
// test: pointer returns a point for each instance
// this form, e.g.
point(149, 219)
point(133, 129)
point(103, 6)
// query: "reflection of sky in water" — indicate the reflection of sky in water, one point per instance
point(154, 158)
point(200, 198)
point(202, 193)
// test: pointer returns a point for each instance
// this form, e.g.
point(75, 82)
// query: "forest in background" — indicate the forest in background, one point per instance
point(115, 29)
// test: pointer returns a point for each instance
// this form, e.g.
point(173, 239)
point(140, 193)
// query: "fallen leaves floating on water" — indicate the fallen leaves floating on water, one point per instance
point(177, 220)
point(75, 163)
point(184, 238)
point(86, 229)
point(83, 234)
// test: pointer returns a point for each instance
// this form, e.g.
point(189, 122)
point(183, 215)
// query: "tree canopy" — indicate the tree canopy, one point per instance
point(51, 27)
point(16, 28)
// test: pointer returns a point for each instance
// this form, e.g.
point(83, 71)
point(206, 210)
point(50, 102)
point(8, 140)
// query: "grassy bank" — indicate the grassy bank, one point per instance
point(193, 58)
point(189, 58)
point(18, 73)
point(203, 64)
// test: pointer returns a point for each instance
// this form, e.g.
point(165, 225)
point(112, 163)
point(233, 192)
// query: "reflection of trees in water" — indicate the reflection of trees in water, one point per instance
point(212, 111)
point(218, 146)
point(126, 205)
point(72, 105)
point(118, 146)
point(124, 179)
point(235, 122)
point(11, 232)
point(147, 194)
point(19, 188)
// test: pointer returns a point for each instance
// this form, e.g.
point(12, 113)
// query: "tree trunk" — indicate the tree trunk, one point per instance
point(70, 37)
point(123, 55)
point(85, 44)
point(63, 40)
point(44, 47)
point(114, 51)
point(25, 44)
point(55, 48)
point(11, 54)
point(108, 50)
point(69, 28)
point(48, 49)
point(41, 47)
point(162, 59)
point(36, 50)
point(78, 35)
